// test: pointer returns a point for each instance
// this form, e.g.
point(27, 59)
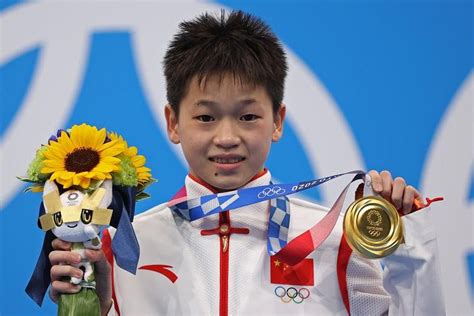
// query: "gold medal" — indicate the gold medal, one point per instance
point(373, 227)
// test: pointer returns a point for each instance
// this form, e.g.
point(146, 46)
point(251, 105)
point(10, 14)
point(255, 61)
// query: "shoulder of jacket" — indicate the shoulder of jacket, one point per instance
point(156, 212)
point(302, 205)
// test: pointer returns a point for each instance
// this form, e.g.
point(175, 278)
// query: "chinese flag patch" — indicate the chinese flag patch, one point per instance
point(300, 274)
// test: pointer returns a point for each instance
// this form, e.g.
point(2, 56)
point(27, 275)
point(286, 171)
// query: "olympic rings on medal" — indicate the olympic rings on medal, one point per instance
point(292, 294)
point(276, 190)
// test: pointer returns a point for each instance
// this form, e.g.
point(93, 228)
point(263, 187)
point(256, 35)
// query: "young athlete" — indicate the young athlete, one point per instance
point(225, 80)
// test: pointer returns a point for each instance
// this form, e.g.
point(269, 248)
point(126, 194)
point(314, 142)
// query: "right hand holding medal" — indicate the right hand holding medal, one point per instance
point(372, 224)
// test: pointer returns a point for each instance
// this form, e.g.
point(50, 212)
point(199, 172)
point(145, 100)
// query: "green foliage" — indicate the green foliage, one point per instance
point(127, 175)
point(34, 169)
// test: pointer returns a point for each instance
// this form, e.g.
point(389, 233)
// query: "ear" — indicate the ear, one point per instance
point(51, 199)
point(279, 119)
point(107, 199)
point(171, 124)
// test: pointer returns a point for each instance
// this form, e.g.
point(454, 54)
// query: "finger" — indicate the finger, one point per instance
point(59, 244)
point(408, 199)
point(386, 184)
point(95, 255)
point(376, 181)
point(59, 272)
point(59, 287)
point(64, 257)
point(418, 196)
point(399, 185)
point(101, 264)
point(53, 294)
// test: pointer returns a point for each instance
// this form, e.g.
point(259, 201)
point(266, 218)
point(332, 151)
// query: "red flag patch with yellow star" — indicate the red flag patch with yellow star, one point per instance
point(300, 274)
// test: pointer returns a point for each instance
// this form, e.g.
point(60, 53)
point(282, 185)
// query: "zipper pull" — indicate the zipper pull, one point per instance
point(224, 230)
point(225, 243)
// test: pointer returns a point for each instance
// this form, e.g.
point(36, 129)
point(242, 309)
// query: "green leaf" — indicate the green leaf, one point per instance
point(142, 196)
point(29, 180)
point(142, 187)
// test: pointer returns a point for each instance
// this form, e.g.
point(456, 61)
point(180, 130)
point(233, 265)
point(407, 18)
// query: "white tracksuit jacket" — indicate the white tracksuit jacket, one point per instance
point(208, 275)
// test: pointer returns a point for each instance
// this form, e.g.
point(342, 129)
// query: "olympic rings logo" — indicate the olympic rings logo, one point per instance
point(276, 190)
point(374, 233)
point(292, 294)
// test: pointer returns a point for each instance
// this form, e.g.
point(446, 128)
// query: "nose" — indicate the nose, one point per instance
point(227, 134)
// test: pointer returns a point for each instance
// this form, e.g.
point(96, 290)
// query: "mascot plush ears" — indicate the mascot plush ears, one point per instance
point(74, 216)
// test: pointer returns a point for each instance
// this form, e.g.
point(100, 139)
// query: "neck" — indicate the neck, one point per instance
point(218, 190)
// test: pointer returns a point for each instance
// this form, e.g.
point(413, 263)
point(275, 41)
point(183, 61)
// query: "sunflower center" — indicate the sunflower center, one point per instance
point(82, 159)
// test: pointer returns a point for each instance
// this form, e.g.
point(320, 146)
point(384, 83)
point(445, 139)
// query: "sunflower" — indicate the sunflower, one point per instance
point(82, 155)
point(133, 170)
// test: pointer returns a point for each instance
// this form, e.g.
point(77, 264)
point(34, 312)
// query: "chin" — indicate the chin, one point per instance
point(228, 184)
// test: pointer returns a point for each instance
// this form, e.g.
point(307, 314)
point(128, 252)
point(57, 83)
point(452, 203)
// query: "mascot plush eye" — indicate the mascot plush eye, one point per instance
point(58, 219)
point(86, 216)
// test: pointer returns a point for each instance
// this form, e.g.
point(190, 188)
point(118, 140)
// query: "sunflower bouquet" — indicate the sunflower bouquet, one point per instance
point(84, 157)
point(90, 179)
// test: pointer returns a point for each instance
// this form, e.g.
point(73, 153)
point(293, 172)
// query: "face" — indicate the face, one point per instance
point(77, 231)
point(225, 129)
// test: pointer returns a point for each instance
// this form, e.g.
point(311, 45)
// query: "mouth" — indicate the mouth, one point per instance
point(227, 160)
point(71, 226)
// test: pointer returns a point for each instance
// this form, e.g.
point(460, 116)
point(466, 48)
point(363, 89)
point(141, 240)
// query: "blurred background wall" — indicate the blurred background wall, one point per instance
point(372, 85)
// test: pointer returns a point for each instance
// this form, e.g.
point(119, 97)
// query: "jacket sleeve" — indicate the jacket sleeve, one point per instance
point(407, 282)
point(411, 274)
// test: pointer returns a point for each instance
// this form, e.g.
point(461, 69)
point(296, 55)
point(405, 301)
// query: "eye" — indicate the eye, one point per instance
point(248, 117)
point(205, 118)
point(86, 216)
point(58, 219)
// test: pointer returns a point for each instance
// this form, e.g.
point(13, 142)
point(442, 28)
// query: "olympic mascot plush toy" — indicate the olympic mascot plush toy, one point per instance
point(90, 179)
point(78, 218)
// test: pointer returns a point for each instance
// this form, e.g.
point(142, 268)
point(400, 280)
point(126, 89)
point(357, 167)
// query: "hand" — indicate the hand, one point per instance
point(62, 259)
point(401, 195)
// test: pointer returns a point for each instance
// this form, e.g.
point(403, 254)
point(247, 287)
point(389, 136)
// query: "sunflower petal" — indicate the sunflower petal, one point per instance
point(112, 151)
point(105, 168)
point(99, 138)
point(47, 170)
point(66, 142)
point(131, 151)
point(143, 169)
point(138, 161)
point(108, 145)
point(85, 182)
point(65, 183)
point(110, 160)
point(53, 163)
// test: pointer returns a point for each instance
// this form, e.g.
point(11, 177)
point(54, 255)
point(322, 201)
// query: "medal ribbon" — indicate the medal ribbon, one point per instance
point(290, 253)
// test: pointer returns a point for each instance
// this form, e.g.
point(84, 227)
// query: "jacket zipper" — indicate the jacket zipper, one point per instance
point(224, 231)
point(224, 224)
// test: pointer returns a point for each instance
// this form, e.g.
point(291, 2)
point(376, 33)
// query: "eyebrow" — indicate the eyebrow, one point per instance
point(209, 103)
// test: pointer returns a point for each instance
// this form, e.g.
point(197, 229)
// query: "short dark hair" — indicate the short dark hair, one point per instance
point(236, 43)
